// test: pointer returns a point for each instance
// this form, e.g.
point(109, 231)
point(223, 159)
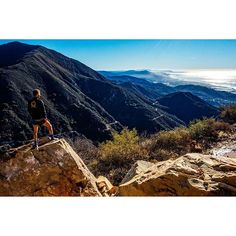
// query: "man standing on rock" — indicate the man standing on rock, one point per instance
point(38, 113)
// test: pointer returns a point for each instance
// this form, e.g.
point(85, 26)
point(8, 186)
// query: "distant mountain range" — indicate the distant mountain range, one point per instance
point(161, 77)
point(155, 90)
point(76, 97)
point(157, 86)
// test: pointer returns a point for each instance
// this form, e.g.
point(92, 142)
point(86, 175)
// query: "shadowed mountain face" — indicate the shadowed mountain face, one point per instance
point(11, 53)
point(147, 88)
point(141, 91)
point(128, 108)
point(76, 97)
point(187, 107)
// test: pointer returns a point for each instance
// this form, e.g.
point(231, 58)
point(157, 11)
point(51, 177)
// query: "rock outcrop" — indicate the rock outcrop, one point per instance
point(54, 170)
point(193, 174)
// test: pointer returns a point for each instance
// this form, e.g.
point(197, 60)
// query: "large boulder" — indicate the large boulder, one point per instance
point(193, 174)
point(54, 170)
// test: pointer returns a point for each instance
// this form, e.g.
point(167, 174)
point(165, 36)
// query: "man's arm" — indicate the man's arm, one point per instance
point(29, 108)
point(42, 109)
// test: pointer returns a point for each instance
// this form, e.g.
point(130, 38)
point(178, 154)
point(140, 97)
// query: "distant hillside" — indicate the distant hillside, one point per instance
point(187, 107)
point(141, 91)
point(127, 107)
point(147, 88)
point(159, 77)
point(212, 96)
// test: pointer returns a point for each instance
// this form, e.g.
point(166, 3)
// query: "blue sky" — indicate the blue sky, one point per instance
point(146, 54)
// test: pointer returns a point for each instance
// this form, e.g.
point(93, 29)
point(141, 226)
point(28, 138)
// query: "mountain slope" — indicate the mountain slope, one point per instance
point(212, 96)
point(76, 97)
point(186, 106)
point(150, 89)
point(128, 108)
point(140, 90)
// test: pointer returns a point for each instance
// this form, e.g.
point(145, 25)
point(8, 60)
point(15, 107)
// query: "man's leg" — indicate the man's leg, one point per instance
point(48, 125)
point(36, 129)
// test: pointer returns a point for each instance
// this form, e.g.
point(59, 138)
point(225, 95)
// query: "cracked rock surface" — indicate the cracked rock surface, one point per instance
point(193, 174)
point(53, 170)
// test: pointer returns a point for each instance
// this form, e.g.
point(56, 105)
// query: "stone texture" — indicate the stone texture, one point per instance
point(138, 168)
point(54, 170)
point(105, 187)
point(193, 174)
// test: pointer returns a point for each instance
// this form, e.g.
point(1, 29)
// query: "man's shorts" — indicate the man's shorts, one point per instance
point(39, 122)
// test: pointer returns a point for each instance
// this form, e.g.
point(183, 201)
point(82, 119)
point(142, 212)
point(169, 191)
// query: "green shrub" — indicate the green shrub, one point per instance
point(198, 136)
point(207, 130)
point(162, 155)
point(116, 156)
point(173, 142)
point(123, 147)
point(228, 114)
point(203, 129)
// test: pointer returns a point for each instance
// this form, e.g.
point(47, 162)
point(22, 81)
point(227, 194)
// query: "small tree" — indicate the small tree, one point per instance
point(116, 156)
point(124, 147)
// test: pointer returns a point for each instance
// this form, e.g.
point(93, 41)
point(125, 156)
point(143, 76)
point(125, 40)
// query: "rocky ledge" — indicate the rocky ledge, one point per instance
point(193, 174)
point(53, 170)
point(56, 170)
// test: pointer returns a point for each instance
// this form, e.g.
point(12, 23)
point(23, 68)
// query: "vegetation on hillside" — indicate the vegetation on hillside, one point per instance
point(228, 114)
point(117, 155)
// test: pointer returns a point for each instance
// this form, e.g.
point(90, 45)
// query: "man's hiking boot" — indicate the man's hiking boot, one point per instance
point(52, 137)
point(35, 145)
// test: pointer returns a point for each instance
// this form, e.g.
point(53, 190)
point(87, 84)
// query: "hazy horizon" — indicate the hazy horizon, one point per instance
point(220, 79)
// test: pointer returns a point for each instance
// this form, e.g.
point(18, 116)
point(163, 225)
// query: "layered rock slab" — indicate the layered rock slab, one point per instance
point(193, 174)
point(53, 170)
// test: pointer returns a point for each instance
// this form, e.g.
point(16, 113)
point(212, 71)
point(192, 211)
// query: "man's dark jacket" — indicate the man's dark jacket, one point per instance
point(36, 109)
